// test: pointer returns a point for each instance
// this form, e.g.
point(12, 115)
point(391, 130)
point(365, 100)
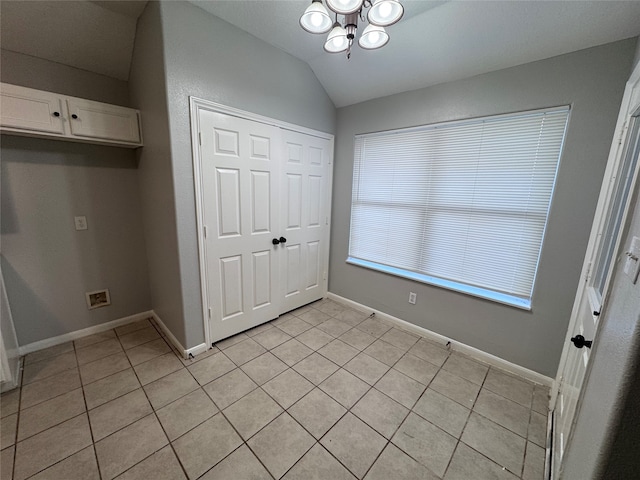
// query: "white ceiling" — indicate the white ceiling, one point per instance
point(435, 42)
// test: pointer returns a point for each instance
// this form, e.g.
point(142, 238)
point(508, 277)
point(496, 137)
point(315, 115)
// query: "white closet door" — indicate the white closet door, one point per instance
point(304, 218)
point(240, 169)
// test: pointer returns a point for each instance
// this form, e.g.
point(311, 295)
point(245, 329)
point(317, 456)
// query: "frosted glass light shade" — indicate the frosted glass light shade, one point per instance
point(315, 18)
point(385, 12)
point(373, 37)
point(344, 7)
point(337, 40)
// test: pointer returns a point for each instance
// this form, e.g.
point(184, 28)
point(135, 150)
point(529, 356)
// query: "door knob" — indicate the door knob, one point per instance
point(580, 342)
point(56, 114)
point(275, 241)
point(283, 240)
point(74, 116)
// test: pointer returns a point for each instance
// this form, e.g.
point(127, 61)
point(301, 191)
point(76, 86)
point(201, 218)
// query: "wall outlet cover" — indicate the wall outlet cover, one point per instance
point(81, 222)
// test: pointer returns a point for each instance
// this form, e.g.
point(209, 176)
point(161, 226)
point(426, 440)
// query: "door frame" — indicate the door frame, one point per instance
point(195, 106)
point(629, 107)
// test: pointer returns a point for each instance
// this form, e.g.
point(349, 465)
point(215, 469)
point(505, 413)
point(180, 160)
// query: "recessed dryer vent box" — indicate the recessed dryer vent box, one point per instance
point(97, 299)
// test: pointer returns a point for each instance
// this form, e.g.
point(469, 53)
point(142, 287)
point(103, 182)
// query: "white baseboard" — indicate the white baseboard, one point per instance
point(186, 353)
point(454, 344)
point(50, 342)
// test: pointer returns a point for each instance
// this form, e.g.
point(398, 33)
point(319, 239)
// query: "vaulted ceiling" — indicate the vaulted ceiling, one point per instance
point(435, 42)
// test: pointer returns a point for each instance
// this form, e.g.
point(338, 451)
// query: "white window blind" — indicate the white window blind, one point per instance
point(461, 204)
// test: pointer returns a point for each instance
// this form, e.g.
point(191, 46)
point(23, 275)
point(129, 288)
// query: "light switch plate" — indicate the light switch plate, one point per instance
point(81, 223)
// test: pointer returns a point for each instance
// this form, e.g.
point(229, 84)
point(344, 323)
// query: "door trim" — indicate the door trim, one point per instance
point(195, 106)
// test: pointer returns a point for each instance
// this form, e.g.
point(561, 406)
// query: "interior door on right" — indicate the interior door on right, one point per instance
point(304, 219)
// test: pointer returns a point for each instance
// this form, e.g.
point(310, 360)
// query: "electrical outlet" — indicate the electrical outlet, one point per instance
point(412, 298)
point(81, 223)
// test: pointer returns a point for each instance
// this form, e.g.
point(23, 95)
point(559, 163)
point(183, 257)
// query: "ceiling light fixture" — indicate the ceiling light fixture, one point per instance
point(382, 13)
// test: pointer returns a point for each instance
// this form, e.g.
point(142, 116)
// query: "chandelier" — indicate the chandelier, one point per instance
point(381, 13)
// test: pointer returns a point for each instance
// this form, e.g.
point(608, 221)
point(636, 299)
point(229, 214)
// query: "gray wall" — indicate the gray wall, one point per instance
point(592, 81)
point(48, 265)
point(211, 59)
point(148, 93)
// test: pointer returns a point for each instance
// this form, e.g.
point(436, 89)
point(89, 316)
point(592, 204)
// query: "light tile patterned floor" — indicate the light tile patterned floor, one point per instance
point(321, 393)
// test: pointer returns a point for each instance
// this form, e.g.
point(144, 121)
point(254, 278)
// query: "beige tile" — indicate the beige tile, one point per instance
point(344, 387)
point(229, 388)
point(252, 412)
point(401, 388)
point(97, 351)
point(426, 443)
point(317, 412)
point(329, 307)
point(6, 463)
point(314, 338)
point(157, 368)
point(10, 402)
point(241, 464)
point(95, 338)
point(276, 322)
point(540, 399)
point(201, 356)
point(50, 387)
point(139, 337)
point(147, 351)
point(186, 413)
point(318, 464)
point(48, 367)
point(399, 339)
point(287, 388)
point(504, 412)
point(46, 353)
point(456, 388)
point(52, 412)
point(466, 368)
point(206, 445)
point(334, 327)
point(443, 412)
point(314, 317)
point(211, 368)
point(384, 352)
point(162, 465)
point(122, 450)
point(351, 317)
point(380, 412)
point(394, 463)
point(118, 413)
point(108, 388)
point(51, 446)
point(79, 465)
point(133, 327)
point(292, 352)
point(271, 338)
point(104, 367)
point(374, 327)
point(294, 326)
point(170, 388)
point(533, 462)
point(228, 342)
point(510, 387)
point(281, 444)
point(259, 329)
point(354, 444)
point(499, 444)
point(537, 429)
point(264, 368)
point(338, 352)
point(244, 351)
point(418, 369)
point(467, 463)
point(8, 426)
point(357, 339)
point(431, 352)
point(315, 368)
point(366, 368)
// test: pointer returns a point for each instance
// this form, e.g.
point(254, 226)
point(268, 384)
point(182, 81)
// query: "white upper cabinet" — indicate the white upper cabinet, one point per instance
point(29, 112)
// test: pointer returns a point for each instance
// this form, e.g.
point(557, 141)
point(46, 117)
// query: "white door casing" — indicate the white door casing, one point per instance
point(245, 202)
point(590, 300)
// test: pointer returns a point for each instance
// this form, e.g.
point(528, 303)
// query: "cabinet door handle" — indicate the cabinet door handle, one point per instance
point(56, 114)
point(74, 116)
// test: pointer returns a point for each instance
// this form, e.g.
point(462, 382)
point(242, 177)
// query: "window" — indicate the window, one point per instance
point(462, 205)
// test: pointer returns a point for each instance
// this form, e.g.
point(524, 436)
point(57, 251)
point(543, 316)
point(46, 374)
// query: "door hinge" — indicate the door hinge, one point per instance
point(200, 138)
point(205, 231)
point(209, 313)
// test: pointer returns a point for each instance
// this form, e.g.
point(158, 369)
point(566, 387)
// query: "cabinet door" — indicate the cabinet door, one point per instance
point(98, 120)
point(28, 109)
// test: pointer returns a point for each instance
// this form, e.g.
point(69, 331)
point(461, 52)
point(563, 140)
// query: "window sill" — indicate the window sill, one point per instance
point(510, 300)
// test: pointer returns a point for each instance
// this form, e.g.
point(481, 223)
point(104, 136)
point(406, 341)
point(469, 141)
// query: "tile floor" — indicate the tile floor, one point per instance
point(321, 393)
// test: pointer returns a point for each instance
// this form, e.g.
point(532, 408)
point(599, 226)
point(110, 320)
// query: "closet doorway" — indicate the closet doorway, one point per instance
point(263, 199)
